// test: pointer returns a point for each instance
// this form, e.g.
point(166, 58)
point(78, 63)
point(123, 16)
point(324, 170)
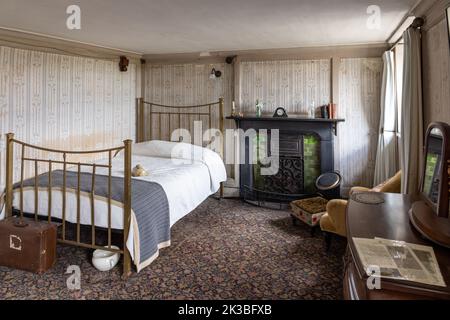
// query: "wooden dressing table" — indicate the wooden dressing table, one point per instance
point(388, 220)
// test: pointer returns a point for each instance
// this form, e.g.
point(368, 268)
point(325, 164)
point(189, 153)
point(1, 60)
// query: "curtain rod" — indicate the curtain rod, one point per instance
point(397, 43)
point(416, 24)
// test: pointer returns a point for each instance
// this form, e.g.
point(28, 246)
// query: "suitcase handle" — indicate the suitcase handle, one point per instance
point(20, 223)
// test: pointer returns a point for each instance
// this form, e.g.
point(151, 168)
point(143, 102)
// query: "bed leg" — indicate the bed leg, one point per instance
point(221, 191)
point(127, 209)
point(126, 264)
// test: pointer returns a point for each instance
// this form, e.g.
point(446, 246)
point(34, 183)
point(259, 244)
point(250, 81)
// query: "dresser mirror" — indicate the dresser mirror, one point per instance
point(431, 215)
point(433, 167)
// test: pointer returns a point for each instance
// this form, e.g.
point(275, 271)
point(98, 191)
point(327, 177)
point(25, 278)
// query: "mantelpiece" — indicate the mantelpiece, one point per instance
point(332, 122)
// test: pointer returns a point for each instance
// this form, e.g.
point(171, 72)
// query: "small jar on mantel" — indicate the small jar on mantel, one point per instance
point(233, 109)
point(236, 111)
point(258, 109)
point(312, 111)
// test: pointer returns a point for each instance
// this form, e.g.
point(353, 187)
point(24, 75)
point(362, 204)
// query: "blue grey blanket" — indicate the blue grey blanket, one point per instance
point(148, 202)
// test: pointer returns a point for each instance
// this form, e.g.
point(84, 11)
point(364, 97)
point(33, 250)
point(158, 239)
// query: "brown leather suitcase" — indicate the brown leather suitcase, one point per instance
point(28, 245)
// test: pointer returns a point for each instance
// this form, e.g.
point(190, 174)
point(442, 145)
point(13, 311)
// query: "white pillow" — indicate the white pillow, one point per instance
point(171, 150)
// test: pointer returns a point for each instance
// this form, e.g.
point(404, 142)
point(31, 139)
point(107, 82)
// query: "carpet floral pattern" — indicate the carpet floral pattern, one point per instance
point(222, 250)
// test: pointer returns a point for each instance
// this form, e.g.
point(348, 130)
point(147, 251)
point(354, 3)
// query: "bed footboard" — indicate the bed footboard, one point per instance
point(63, 162)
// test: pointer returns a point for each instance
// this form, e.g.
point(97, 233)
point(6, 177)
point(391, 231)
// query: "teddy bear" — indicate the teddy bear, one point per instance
point(139, 171)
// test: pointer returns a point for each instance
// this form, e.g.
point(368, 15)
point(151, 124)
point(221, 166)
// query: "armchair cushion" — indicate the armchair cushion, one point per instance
point(334, 220)
point(392, 185)
point(358, 189)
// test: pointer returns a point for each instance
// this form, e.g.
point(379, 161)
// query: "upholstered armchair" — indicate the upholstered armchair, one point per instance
point(334, 221)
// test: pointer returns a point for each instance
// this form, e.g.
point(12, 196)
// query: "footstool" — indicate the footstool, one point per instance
point(309, 211)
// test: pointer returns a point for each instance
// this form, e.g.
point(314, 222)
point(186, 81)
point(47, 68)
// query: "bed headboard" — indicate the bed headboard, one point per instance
point(157, 121)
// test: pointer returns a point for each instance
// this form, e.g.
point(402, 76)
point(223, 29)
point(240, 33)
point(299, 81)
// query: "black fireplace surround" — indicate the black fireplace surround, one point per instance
point(288, 183)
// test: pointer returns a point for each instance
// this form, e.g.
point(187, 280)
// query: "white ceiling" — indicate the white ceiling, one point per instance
point(180, 26)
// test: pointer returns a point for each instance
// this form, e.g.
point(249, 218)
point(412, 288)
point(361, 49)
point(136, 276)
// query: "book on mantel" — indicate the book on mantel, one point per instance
point(328, 111)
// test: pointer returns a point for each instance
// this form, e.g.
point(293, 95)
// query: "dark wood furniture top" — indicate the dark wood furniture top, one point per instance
point(388, 220)
point(290, 118)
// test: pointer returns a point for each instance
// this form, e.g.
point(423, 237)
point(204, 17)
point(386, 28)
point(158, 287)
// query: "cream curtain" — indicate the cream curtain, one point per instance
point(386, 164)
point(411, 141)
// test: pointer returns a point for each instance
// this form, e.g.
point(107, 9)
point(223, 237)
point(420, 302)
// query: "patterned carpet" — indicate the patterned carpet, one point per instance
point(223, 250)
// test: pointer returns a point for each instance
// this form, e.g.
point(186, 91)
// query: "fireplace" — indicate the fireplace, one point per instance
point(305, 152)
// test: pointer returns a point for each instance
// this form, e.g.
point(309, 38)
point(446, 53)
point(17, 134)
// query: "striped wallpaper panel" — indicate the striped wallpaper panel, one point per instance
point(64, 101)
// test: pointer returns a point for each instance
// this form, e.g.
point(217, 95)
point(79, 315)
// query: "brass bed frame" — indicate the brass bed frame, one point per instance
point(174, 111)
point(142, 116)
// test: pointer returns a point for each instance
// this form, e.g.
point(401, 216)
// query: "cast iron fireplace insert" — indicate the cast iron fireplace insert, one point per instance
point(289, 183)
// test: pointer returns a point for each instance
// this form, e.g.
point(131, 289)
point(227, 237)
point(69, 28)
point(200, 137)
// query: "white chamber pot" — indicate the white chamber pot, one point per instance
point(104, 260)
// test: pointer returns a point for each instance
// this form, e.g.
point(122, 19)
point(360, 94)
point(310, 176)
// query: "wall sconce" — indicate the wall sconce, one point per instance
point(215, 74)
point(123, 64)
